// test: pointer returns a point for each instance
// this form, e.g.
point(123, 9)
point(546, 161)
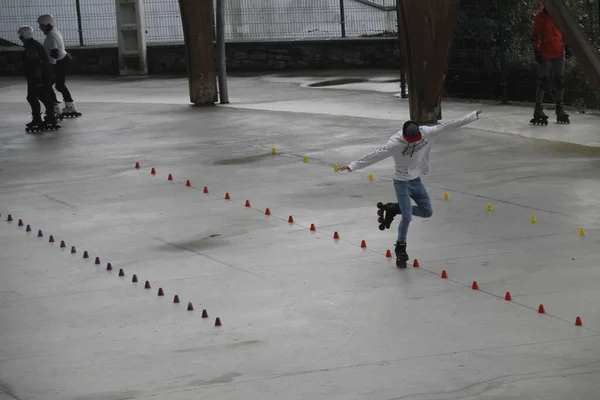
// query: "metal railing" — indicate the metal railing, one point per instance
point(93, 22)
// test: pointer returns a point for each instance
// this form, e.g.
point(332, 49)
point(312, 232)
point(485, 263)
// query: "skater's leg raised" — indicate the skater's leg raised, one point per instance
point(419, 194)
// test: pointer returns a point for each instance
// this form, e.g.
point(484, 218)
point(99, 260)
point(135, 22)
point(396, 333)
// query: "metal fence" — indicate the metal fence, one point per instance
point(491, 55)
point(244, 19)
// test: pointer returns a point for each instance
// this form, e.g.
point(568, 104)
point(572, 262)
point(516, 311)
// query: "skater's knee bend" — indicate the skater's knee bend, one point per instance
point(559, 82)
point(427, 212)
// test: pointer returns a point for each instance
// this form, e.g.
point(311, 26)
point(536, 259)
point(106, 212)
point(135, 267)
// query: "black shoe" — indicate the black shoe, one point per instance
point(401, 255)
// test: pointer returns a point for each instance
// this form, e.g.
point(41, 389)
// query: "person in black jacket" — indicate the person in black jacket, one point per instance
point(38, 72)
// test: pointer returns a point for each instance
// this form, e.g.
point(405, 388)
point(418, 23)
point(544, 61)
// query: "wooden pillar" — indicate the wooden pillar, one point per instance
point(197, 19)
point(428, 30)
point(582, 49)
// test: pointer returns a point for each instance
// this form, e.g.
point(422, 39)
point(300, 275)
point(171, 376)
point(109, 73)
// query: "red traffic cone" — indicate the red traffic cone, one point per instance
point(205, 189)
point(73, 251)
point(190, 306)
point(147, 285)
point(444, 274)
point(62, 244)
point(109, 267)
point(20, 222)
point(9, 218)
point(97, 261)
point(218, 321)
point(153, 172)
point(267, 212)
point(541, 309)
point(507, 296)
point(204, 314)
point(51, 240)
point(176, 299)
point(291, 219)
point(247, 203)
point(121, 272)
point(28, 229)
point(188, 183)
point(363, 244)
point(227, 196)
point(170, 177)
point(85, 254)
point(40, 234)
point(137, 165)
point(134, 279)
point(336, 235)
point(416, 263)
point(160, 292)
point(388, 254)
point(312, 227)
point(578, 321)
point(475, 285)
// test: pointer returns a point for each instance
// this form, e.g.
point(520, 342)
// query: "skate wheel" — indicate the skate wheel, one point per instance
point(380, 220)
point(382, 227)
point(380, 213)
point(380, 205)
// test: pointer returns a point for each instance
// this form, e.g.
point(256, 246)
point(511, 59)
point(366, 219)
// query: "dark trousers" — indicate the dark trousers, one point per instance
point(37, 93)
point(60, 75)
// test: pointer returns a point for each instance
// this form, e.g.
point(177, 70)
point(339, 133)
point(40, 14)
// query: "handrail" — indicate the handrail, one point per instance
point(378, 6)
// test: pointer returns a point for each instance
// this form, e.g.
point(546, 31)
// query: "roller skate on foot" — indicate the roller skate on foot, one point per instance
point(57, 111)
point(401, 255)
point(35, 125)
point(70, 111)
point(539, 117)
point(386, 213)
point(50, 124)
point(561, 116)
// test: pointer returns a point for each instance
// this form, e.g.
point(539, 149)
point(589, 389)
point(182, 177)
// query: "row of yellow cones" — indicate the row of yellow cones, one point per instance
point(336, 168)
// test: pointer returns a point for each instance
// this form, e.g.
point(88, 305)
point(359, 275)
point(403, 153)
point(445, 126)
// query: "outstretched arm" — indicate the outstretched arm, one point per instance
point(433, 131)
point(380, 154)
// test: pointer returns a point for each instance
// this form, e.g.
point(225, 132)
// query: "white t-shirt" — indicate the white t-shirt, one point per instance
point(411, 159)
point(54, 40)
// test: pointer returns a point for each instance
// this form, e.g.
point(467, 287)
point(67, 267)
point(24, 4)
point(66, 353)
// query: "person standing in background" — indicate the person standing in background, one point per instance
point(60, 58)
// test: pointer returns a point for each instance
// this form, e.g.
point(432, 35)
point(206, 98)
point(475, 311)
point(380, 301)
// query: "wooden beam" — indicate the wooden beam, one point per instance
point(582, 49)
point(428, 27)
point(197, 20)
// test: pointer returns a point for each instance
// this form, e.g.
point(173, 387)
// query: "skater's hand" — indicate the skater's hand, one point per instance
point(477, 113)
point(346, 168)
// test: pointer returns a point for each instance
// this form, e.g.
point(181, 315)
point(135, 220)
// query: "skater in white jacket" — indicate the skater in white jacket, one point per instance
point(410, 148)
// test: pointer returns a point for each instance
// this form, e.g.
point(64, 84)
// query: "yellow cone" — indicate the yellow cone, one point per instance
point(273, 150)
point(336, 168)
point(490, 207)
point(305, 159)
point(581, 231)
point(446, 196)
point(533, 219)
point(371, 177)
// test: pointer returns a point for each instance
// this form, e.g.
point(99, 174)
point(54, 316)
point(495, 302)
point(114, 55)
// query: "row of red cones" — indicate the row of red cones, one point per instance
point(109, 267)
point(363, 243)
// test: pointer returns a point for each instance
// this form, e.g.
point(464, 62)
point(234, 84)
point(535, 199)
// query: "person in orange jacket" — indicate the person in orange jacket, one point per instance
point(550, 53)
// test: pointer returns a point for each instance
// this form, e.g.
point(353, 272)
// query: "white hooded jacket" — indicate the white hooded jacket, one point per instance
point(411, 159)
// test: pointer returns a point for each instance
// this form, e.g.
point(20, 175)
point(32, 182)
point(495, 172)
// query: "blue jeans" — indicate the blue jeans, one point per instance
point(406, 190)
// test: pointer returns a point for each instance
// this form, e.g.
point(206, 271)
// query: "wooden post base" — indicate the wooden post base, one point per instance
point(428, 30)
point(197, 20)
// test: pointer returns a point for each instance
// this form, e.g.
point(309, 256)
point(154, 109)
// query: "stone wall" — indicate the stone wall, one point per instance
point(352, 53)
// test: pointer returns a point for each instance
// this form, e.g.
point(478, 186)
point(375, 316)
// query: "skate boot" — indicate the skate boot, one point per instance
point(70, 111)
point(35, 125)
point(561, 116)
point(57, 111)
point(50, 123)
point(539, 117)
point(386, 214)
point(401, 255)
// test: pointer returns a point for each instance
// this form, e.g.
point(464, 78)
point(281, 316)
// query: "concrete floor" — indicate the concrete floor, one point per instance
point(303, 316)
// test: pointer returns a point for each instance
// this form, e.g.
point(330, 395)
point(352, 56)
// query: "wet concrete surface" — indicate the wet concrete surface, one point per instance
point(303, 316)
